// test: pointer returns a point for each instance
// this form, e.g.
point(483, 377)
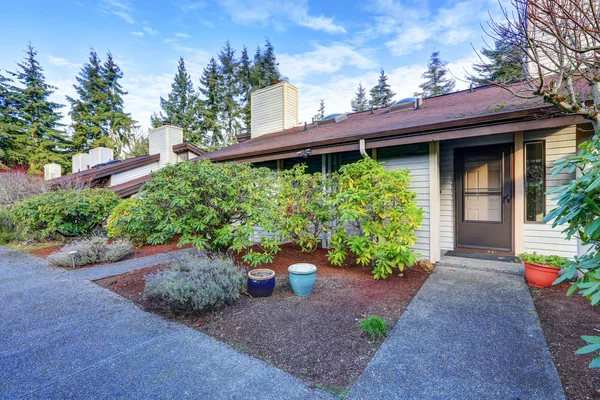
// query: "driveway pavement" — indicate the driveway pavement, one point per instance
point(64, 337)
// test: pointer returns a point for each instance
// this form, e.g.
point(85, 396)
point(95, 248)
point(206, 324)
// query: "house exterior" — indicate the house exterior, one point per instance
point(481, 161)
point(125, 177)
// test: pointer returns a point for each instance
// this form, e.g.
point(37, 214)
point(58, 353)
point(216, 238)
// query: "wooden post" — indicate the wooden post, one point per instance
point(434, 201)
point(519, 203)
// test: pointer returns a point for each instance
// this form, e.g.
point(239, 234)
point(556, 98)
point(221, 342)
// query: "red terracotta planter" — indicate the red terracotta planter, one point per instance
point(540, 276)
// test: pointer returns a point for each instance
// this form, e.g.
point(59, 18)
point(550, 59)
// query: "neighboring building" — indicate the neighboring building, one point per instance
point(125, 177)
point(480, 161)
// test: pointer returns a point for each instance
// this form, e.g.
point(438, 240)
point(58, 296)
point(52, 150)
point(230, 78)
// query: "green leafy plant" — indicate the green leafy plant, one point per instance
point(213, 206)
point(130, 219)
point(89, 251)
point(194, 284)
point(10, 229)
point(66, 212)
point(304, 210)
point(376, 217)
point(374, 326)
point(550, 261)
point(578, 211)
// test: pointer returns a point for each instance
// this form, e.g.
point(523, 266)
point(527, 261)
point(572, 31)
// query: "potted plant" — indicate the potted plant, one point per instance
point(302, 278)
point(261, 282)
point(541, 271)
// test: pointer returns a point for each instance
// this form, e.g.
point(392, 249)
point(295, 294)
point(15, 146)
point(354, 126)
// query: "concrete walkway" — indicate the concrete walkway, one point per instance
point(64, 337)
point(467, 334)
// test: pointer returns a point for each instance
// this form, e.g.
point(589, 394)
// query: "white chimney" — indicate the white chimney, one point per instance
point(81, 162)
point(52, 171)
point(162, 140)
point(100, 155)
point(274, 109)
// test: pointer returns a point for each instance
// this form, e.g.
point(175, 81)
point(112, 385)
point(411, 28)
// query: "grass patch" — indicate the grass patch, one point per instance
point(374, 326)
point(33, 247)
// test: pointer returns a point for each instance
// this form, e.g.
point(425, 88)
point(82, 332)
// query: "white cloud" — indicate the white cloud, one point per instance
point(62, 62)
point(144, 93)
point(323, 60)
point(138, 33)
point(278, 13)
point(182, 35)
point(121, 9)
point(150, 31)
point(186, 6)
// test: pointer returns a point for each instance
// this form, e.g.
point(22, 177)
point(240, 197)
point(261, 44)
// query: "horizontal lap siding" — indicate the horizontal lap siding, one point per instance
point(447, 181)
point(419, 172)
point(539, 237)
point(133, 173)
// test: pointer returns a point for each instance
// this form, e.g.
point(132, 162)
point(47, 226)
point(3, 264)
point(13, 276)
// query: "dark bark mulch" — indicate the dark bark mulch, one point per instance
point(317, 337)
point(564, 320)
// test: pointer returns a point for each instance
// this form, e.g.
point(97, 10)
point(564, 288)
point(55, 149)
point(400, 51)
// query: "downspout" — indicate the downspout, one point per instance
point(362, 148)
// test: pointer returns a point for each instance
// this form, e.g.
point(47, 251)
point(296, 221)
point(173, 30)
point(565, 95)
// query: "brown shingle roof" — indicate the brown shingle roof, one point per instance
point(465, 108)
point(184, 147)
point(107, 169)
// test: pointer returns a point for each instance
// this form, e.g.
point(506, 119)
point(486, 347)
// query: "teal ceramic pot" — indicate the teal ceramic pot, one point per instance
point(302, 278)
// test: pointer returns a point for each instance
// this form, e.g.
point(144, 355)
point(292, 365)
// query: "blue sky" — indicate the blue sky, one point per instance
point(324, 47)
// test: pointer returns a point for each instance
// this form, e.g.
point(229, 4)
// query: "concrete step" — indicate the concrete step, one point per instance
point(514, 268)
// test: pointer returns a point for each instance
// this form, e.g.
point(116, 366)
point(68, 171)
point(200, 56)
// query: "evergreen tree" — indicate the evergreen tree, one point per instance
point(437, 83)
point(87, 110)
point(265, 68)
point(245, 86)
point(13, 141)
point(360, 102)
point(210, 87)
point(321, 113)
point(38, 130)
point(117, 123)
point(381, 94)
point(506, 63)
point(181, 106)
point(230, 89)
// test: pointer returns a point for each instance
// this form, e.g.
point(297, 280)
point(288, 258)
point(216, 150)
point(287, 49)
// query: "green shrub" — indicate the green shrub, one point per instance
point(377, 217)
point(578, 213)
point(9, 231)
point(551, 261)
point(66, 212)
point(213, 206)
point(130, 220)
point(304, 210)
point(374, 326)
point(89, 251)
point(194, 284)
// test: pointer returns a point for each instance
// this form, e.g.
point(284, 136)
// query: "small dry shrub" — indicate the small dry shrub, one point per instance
point(17, 185)
point(194, 284)
point(89, 251)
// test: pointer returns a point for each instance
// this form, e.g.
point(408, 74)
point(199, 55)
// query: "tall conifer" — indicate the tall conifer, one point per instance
point(436, 80)
point(210, 87)
point(360, 101)
point(381, 94)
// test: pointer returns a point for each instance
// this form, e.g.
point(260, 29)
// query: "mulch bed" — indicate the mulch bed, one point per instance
point(317, 337)
point(564, 320)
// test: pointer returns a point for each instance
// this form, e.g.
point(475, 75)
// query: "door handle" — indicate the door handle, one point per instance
point(507, 198)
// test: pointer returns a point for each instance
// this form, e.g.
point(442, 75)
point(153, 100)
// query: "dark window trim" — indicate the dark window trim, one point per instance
point(525, 143)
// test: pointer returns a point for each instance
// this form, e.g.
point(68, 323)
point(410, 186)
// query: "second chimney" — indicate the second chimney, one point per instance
point(274, 109)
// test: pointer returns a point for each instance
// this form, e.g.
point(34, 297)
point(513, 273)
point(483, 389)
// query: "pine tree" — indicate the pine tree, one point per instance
point(321, 113)
point(13, 140)
point(245, 86)
point(381, 94)
point(117, 123)
point(87, 110)
point(360, 102)
point(181, 106)
point(38, 117)
point(506, 63)
point(437, 83)
point(230, 109)
point(210, 87)
point(265, 68)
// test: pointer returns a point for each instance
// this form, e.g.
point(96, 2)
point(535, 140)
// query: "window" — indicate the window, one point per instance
point(535, 185)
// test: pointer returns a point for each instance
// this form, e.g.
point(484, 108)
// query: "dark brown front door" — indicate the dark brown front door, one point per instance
point(484, 198)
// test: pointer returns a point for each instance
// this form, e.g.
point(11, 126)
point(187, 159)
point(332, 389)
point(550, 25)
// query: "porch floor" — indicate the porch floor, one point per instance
point(468, 334)
point(482, 262)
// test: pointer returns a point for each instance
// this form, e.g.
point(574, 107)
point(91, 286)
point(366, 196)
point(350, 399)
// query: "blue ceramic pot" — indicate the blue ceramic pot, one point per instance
point(302, 278)
point(261, 282)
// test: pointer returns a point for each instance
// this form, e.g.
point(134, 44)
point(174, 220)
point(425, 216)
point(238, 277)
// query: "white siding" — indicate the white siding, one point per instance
point(419, 172)
point(447, 181)
point(134, 173)
point(540, 237)
point(274, 109)
point(291, 106)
